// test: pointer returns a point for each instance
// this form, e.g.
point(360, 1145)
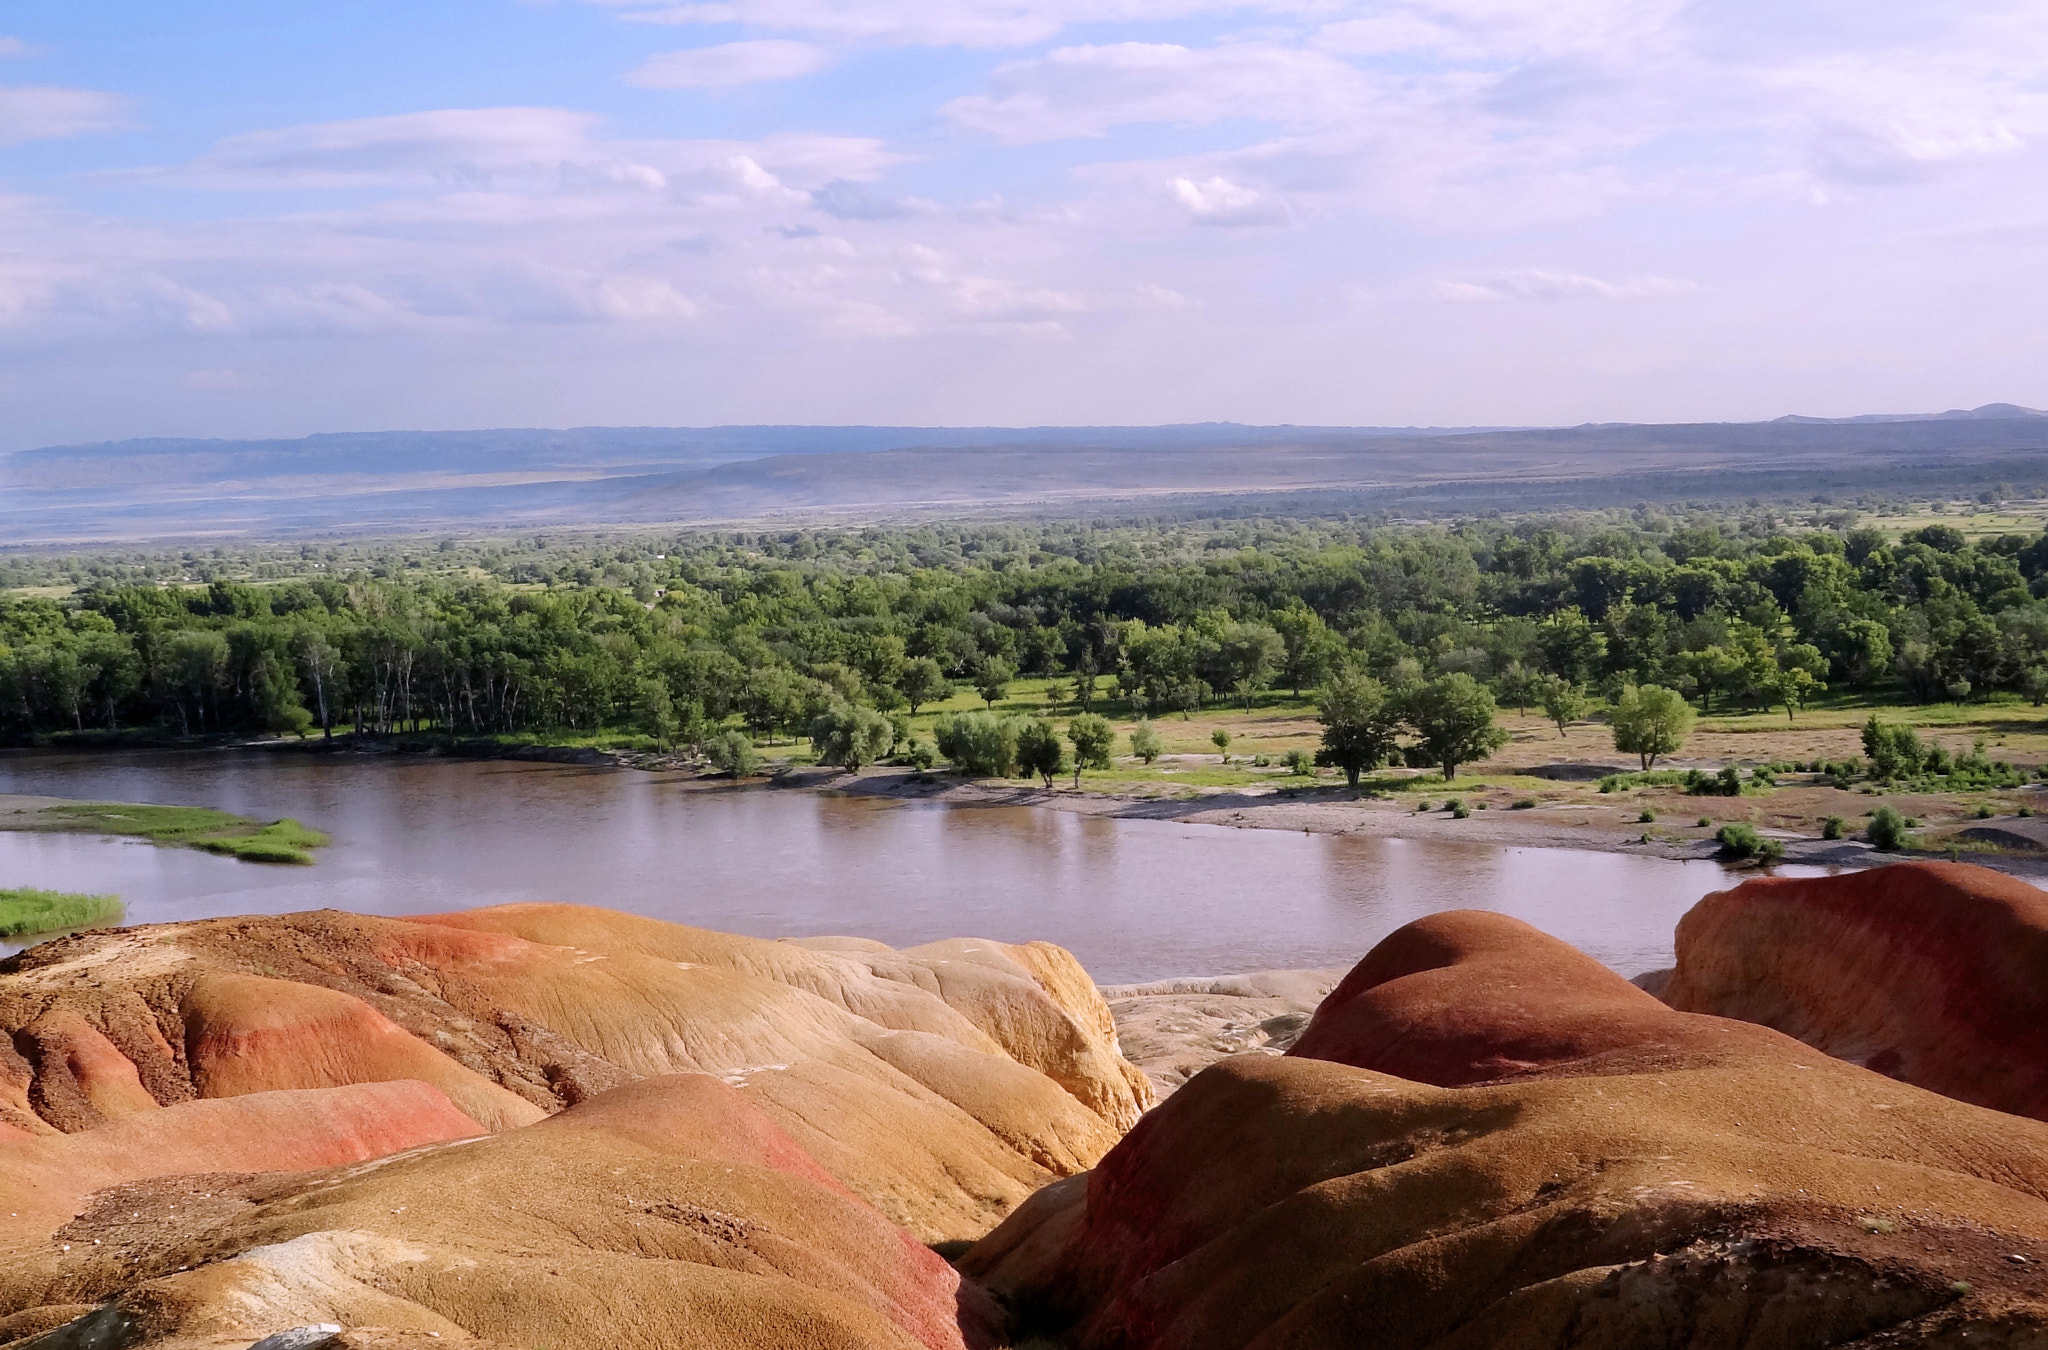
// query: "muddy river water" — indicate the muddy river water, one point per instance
point(1134, 899)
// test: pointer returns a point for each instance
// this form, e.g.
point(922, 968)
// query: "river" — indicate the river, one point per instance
point(1134, 899)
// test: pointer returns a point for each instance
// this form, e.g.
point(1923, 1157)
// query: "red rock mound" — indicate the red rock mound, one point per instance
point(1616, 1174)
point(943, 1086)
point(1932, 973)
point(1468, 996)
point(670, 1212)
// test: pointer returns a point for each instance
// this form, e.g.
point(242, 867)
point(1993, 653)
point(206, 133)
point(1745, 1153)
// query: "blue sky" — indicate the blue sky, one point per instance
point(223, 218)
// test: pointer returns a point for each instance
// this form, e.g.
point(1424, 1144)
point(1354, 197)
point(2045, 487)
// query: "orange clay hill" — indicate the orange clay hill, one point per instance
point(530, 1125)
point(1486, 1139)
point(1932, 973)
point(942, 1085)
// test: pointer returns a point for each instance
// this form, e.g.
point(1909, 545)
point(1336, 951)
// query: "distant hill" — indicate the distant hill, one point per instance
point(617, 475)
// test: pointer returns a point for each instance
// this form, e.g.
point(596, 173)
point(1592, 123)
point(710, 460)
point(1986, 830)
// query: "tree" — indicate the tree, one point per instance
point(1360, 724)
point(733, 753)
point(1246, 656)
point(1518, 686)
point(923, 681)
point(992, 679)
point(1797, 676)
point(1452, 717)
point(1564, 702)
point(1220, 738)
point(1093, 740)
point(323, 667)
point(851, 735)
point(1571, 646)
point(1040, 749)
point(1145, 742)
point(654, 709)
point(1650, 722)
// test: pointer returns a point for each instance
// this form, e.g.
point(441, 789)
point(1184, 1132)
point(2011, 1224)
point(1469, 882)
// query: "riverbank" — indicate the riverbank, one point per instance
point(1580, 821)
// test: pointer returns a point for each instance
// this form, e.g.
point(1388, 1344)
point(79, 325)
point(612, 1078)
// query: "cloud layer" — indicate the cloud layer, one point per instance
point(1311, 210)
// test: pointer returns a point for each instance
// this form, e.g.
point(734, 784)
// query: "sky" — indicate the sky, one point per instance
point(231, 218)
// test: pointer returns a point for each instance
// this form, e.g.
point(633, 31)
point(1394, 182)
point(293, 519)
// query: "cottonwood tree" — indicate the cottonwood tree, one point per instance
point(1040, 749)
point(923, 680)
point(1453, 720)
point(1360, 725)
point(1564, 703)
point(1650, 722)
point(1093, 739)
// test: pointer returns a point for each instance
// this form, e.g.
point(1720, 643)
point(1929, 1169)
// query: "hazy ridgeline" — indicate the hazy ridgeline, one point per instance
point(680, 635)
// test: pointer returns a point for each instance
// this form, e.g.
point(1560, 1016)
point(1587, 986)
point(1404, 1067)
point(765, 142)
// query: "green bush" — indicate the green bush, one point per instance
point(1646, 817)
point(1887, 829)
point(1703, 822)
point(733, 752)
point(1456, 806)
point(1832, 827)
point(1742, 841)
point(1145, 742)
point(1300, 763)
point(26, 912)
point(1984, 812)
point(1524, 804)
point(979, 743)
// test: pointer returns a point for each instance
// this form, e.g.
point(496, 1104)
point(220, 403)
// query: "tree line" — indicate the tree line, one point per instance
point(768, 633)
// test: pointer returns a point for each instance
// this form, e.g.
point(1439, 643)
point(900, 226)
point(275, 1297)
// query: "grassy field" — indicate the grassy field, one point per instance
point(26, 913)
point(279, 841)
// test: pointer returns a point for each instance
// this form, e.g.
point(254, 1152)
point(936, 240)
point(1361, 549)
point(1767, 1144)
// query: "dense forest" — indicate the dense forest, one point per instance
point(681, 636)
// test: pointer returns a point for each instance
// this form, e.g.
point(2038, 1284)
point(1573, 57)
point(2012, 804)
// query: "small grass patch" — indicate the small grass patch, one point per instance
point(26, 912)
point(279, 841)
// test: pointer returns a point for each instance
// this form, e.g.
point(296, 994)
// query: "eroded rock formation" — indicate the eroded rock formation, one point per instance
point(1932, 973)
point(1561, 1161)
point(943, 1085)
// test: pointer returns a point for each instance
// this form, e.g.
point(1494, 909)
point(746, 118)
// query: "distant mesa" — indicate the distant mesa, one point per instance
point(520, 478)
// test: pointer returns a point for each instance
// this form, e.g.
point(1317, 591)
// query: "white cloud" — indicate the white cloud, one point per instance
point(945, 23)
point(522, 151)
point(1218, 201)
point(730, 65)
point(1541, 285)
point(36, 114)
point(1085, 91)
point(14, 46)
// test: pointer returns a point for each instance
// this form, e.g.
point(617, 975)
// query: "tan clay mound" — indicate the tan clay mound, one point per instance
point(1634, 1177)
point(941, 1090)
point(1932, 973)
point(1467, 996)
point(666, 1213)
point(45, 1179)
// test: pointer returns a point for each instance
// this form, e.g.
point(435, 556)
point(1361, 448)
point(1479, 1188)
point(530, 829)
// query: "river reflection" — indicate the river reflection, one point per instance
point(1134, 899)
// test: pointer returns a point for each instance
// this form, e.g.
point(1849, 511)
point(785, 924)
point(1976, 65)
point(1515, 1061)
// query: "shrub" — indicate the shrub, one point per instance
point(1887, 829)
point(979, 743)
point(1525, 804)
point(1831, 828)
point(851, 736)
point(1702, 822)
point(1145, 742)
point(921, 755)
point(734, 753)
point(1039, 749)
point(1646, 817)
point(1742, 841)
point(1423, 805)
point(1300, 762)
